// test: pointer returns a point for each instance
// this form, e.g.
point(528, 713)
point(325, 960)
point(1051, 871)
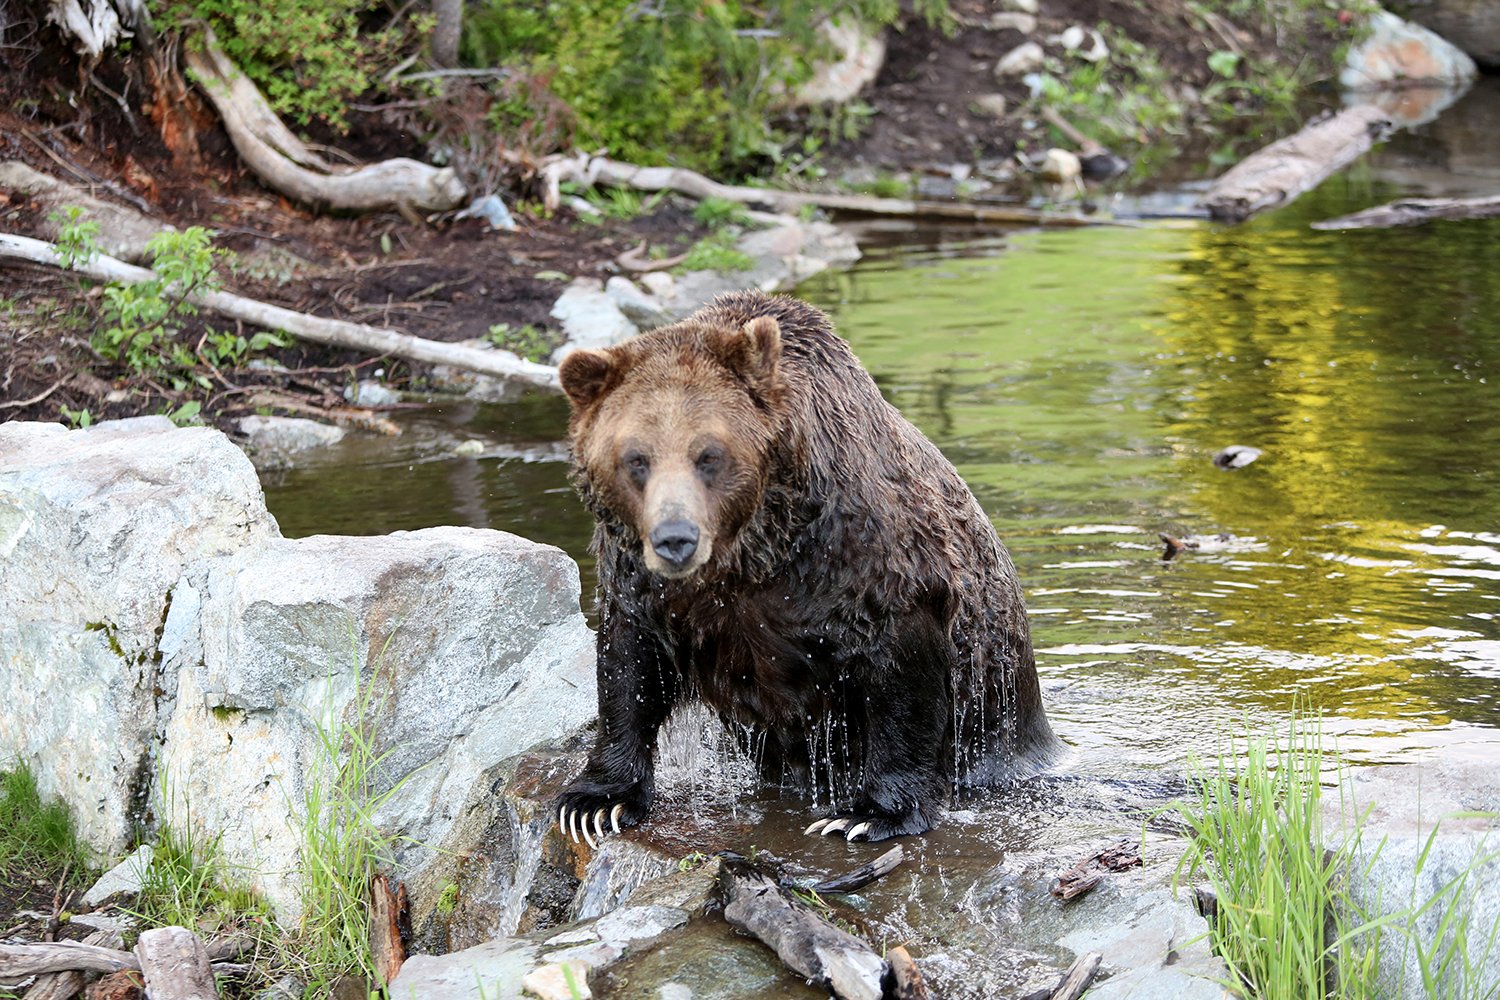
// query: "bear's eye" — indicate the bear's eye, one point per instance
point(637, 466)
point(710, 460)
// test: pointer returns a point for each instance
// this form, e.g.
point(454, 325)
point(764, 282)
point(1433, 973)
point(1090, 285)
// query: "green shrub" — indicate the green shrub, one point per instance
point(679, 81)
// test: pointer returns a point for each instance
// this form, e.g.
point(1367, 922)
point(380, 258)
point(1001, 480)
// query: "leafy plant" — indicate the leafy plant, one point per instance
point(81, 419)
point(77, 237)
point(715, 213)
point(139, 317)
point(526, 341)
point(188, 884)
point(717, 252)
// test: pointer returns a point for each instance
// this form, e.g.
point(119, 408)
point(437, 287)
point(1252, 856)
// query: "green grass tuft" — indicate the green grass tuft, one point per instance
point(35, 836)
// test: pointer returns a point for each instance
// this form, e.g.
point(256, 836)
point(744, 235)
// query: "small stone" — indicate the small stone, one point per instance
point(989, 105)
point(469, 448)
point(288, 434)
point(102, 922)
point(1060, 166)
point(368, 392)
point(660, 283)
point(124, 879)
point(1024, 58)
point(1013, 21)
point(1028, 6)
point(1071, 38)
point(638, 307)
point(551, 982)
point(1236, 456)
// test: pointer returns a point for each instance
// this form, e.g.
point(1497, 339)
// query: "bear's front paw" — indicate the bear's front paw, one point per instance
point(864, 826)
point(604, 806)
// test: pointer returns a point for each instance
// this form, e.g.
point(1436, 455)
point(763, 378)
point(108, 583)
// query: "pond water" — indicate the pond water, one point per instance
point(1082, 381)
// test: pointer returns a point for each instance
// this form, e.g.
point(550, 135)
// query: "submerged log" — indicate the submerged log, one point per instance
point(1290, 167)
point(286, 165)
point(804, 941)
point(1414, 212)
point(317, 329)
point(862, 876)
point(175, 965)
point(602, 170)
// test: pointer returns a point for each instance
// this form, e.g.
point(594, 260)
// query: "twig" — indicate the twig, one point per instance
point(1078, 977)
point(862, 876)
point(634, 260)
point(19, 404)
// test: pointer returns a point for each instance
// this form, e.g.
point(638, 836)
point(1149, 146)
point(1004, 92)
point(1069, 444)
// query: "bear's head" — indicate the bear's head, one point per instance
point(672, 434)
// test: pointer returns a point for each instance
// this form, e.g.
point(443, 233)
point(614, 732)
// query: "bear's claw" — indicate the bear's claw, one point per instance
point(855, 826)
point(573, 822)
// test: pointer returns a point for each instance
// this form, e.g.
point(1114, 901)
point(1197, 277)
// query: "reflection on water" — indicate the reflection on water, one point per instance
point(1082, 381)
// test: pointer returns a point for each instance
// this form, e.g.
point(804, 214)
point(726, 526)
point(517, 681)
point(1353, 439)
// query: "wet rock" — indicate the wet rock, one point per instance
point(990, 105)
point(458, 647)
point(1397, 53)
point(493, 970)
point(784, 256)
point(1472, 25)
point(368, 392)
point(1154, 945)
point(273, 440)
point(484, 388)
point(1024, 58)
point(1447, 808)
point(589, 317)
point(616, 869)
point(124, 879)
point(641, 309)
point(1236, 456)
point(861, 53)
point(96, 528)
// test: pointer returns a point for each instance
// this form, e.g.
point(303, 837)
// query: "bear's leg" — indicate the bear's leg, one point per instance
point(637, 690)
point(905, 724)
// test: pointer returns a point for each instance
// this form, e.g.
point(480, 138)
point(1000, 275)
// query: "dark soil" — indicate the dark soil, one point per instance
point(440, 279)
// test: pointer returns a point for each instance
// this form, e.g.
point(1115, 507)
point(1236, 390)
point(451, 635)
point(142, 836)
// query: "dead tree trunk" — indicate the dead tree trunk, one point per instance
point(1289, 167)
point(175, 965)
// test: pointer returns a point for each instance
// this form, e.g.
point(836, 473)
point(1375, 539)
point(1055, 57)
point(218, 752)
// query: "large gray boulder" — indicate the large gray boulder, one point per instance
point(96, 528)
point(170, 657)
point(1429, 831)
point(1472, 25)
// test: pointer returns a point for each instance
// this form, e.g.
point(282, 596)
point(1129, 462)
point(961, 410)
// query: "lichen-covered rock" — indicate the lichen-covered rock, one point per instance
point(96, 528)
point(1398, 53)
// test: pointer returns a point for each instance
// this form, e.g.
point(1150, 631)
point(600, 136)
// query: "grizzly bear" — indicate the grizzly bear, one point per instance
point(775, 539)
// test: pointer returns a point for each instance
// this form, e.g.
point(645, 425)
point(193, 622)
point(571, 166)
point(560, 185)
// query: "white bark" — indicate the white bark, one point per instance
point(318, 329)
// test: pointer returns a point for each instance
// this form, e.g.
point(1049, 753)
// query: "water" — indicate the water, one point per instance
point(1082, 381)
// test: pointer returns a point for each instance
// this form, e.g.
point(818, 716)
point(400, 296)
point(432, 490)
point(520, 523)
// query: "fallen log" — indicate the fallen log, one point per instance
point(175, 965)
point(387, 909)
point(589, 171)
point(805, 942)
point(1278, 173)
point(18, 961)
point(1414, 212)
point(287, 166)
point(317, 329)
point(66, 985)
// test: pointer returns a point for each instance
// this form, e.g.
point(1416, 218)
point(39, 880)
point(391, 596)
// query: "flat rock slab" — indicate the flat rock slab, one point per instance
point(125, 879)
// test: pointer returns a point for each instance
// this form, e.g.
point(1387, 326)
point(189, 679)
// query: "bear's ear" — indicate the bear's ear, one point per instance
point(585, 375)
point(754, 350)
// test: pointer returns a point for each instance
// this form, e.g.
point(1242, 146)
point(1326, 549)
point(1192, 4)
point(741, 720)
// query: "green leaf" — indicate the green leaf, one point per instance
point(1224, 62)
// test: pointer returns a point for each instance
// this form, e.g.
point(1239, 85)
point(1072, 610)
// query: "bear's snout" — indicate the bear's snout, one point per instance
point(675, 541)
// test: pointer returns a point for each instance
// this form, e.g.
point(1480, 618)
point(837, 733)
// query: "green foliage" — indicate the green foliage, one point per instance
point(36, 837)
point(341, 847)
point(307, 56)
point(1223, 62)
point(715, 213)
point(526, 341)
point(620, 203)
point(675, 81)
point(77, 237)
point(141, 319)
point(717, 252)
point(1124, 99)
point(81, 419)
point(188, 884)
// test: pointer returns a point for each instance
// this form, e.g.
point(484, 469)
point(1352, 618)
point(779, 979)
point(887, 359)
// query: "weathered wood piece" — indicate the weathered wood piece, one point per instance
point(66, 985)
point(318, 329)
point(853, 881)
point(387, 949)
point(602, 170)
point(907, 982)
point(18, 961)
point(1090, 871)
point(805, 942)
point(1414, 212)
point(287, 166)
point(1278, 173)
point(1078, 977)
point(175, 965)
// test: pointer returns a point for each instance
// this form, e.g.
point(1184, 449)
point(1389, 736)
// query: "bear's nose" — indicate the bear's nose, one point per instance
point(675, 541)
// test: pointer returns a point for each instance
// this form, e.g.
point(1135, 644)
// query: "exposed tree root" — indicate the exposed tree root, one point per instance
point(1414, 212)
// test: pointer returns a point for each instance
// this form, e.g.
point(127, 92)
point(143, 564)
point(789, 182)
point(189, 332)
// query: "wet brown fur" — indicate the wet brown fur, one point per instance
point(858, 618)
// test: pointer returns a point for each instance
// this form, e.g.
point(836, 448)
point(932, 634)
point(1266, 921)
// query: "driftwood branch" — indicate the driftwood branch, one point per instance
point(288, 166)
point(853, 881)
point(602, 170)
point(387, 909)
point(1414, 212)
point(1080, 974)
point(805, 942)
point(175, 965)
point(1292, 166)
point(66, 985)
point(317, 329)
point(18, 961)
